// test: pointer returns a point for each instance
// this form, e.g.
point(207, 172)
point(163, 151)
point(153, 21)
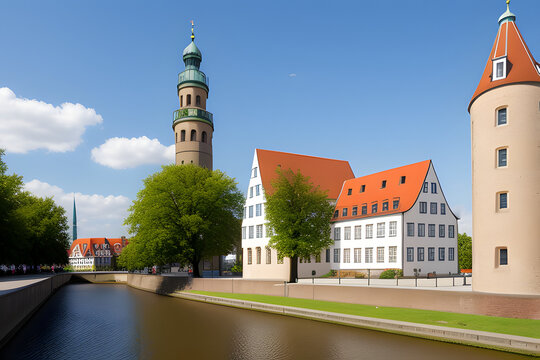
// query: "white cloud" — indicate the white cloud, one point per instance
point(465, 219)
point(27, 125)
point(124, 153)
point(291, 75)
point(97, 215)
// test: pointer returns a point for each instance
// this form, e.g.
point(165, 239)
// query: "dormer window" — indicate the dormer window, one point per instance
point(383, 184)
point(499, 69)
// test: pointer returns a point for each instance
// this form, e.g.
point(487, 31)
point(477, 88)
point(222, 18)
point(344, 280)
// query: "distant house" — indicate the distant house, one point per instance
point(398, 218)
point(95, 253)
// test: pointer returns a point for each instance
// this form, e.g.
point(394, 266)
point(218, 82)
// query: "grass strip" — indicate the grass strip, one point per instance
point(520, 327)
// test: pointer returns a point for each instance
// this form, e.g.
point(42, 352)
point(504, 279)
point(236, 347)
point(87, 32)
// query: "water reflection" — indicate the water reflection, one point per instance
point(87, 321)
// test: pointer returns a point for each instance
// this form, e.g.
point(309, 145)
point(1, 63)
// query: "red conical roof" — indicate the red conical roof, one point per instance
point(521, 66)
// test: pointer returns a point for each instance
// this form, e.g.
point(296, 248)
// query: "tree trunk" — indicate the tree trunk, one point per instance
point(294, 269)
point(195, 267)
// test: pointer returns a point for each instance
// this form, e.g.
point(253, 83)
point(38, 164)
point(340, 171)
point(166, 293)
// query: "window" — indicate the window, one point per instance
point(197, 100)
point(380, 254)
point(443, 209)
point(347, 233)
point(503, 256)
point(357, 255)
point(395, 204)
point(451, 254)
point(175, 137)
point(327, 255)
point(369, 255)
point(501, 117)
point(364, 209)
point(349, 192)
point(374, 208)
point(243, 232)
point(502, 157)
point(354, 211)
point(385, 206)
point(258, 209)
point(369, 231)
point(433, 208)
point(337, 233)
point(499, 69)
point(423, 207)
point(410, 229)
point(451, 231)
point(358, 232)
point(433, 188)
point(425, 188)
point(258, 255)
point(251, 211)
point(344, 212)
point(392, 254)
point(259, 231)
point(362, 188)
point(380, 230)
point(254, 172)
point(410, 254)
point(346, 255)
point(392, 231)
point(251, 232)
point(431, 253)
point(383, 184)
point(402, 180)
point(442, 230)
point(441, 254)
point(193, 135)
point(245, 209)
point(268, 255)
point(420, 254)
point(257, 190)
point(251, 192)
point(336, 255)
point(431, 230)
point(503, 200)
point(188, 102)
point(181, 100)
point(250, 256)
point(336, 213)
point(183, 135)
point(421, 230)
point(318, 258)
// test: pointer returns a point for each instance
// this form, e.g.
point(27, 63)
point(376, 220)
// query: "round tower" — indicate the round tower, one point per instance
point(193, 126)
point(505, 136)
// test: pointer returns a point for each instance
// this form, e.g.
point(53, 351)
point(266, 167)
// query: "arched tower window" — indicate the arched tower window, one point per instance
point(176, 137)
point(181, 100)
point(198, 101)
point(193, 135)
point(183, 135)
point(188, 102)
point(203, 137)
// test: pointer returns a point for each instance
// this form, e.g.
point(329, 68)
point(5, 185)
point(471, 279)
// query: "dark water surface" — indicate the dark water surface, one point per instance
point(101, 321)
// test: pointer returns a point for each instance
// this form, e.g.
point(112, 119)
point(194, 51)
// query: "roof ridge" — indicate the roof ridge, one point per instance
point(310, 156)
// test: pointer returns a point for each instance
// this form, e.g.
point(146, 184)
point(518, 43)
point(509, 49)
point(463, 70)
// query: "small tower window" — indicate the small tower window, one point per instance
point(499, 69)
point(188, 101)
point(193, 135)
point(383, 184)
point(502, 200)
point(198, 101)
point(181, 100)
point(501, 116)
point(175, 137)
point(402, 180)
point(183, 135)
point(502, 157)
point(203, 139)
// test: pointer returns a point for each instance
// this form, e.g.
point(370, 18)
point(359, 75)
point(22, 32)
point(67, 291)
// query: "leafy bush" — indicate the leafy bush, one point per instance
point(331, 273)
point(391, 274)
point(68, 268)
point(359, 275)
point(237, 267)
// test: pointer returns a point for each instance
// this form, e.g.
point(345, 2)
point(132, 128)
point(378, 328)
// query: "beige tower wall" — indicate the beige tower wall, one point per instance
point(193, 91)
point(194, 152)
point(518, 227)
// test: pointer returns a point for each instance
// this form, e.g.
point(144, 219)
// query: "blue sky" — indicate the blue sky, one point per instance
point(380, 84)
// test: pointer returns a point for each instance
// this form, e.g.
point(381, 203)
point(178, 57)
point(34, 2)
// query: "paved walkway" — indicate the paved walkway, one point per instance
point(12, 283)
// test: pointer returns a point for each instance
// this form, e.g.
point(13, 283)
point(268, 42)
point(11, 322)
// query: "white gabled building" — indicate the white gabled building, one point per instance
point(395, 219)
point(258, 259)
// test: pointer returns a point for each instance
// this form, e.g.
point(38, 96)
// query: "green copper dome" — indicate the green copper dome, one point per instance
point(192, 51)
point(507, 16)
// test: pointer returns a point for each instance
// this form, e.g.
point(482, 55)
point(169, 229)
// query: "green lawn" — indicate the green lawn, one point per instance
point(520, 327)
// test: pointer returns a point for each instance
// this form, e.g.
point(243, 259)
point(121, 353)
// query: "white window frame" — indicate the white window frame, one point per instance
point(381, 229)
point(347, 233)
point(258, 209)
point(259, 231)
point(369, 255)
point(358, 232)
point(358, 255)
point(392, 229)
point(369, 231)
point(380, 254)
point(346, 255)
point(337, 234)
point(495, 63)
point(251, 232)
point(392, 254)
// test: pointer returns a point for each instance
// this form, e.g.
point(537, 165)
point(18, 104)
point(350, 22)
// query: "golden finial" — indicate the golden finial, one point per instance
point(508, 5)
point(192, 33)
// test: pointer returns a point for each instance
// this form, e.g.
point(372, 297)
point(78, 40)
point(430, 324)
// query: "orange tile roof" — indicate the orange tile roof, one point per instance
point(328, 174)
point(90, 242)
point(406, 193)
point(522, 66)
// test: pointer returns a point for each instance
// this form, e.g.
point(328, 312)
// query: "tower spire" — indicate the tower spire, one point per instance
point(507, 16)
point(192, 32)
point(74, 220)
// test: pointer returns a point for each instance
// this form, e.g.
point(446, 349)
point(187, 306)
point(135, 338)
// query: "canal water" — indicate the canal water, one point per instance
point(101, 321)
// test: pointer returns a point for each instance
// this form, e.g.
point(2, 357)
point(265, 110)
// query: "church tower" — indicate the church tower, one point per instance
point(193, 126)
point(505, 136)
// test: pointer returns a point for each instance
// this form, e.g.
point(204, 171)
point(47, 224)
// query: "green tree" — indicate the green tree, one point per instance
point(299, 215)
point(465, 251)
point(183, 214)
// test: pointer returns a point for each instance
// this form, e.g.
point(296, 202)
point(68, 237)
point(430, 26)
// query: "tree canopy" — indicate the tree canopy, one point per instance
point(464, 251)
point(34, 230)
point(298, 215)
point(183, 214)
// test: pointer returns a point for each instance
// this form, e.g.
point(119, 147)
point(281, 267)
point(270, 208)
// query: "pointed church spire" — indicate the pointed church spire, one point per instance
point(74, 220)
